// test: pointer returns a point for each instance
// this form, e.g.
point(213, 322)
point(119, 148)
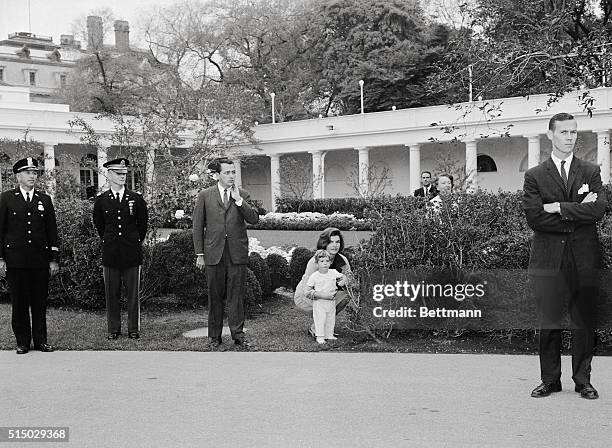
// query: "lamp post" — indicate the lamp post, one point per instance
point(470, 74)
point(272, 94)
point(361, 88)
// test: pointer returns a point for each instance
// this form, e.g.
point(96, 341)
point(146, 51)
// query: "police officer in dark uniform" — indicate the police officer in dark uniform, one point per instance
point(120, 216)
point(28, 255)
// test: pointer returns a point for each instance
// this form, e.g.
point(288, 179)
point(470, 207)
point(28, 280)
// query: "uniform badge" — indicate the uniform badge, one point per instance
point(41, 207)
point(131, 205)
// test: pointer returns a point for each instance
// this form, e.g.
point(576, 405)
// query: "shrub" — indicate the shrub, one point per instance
point(80, 282)
point(297, 266)
point(279, 270)
point(253, 294)
point(169, 268)
point(482, 237)
point(354, 206)
point(259, 267)
point(310, 221)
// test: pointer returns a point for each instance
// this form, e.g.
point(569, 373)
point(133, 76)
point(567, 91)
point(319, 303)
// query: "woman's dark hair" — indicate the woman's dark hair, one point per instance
point(325, 238)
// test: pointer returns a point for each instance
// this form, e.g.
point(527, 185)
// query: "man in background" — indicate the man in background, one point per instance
point(428, 190)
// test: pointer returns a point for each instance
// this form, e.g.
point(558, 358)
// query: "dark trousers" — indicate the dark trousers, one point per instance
point(29, 289)
point(226, 282)
point(578, 288)
point(112, 290)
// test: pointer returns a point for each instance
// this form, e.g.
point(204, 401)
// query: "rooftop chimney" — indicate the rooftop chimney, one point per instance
point(122, 35)
point(94, 33)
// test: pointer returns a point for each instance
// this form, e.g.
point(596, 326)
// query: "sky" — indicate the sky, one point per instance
point(55, 17)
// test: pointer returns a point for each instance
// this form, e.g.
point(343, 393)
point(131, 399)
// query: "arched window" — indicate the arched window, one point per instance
point(88, 175)
point(486, 164)
point(134, 179)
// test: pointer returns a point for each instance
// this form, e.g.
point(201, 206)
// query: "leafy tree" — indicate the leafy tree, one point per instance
point(388, 44)
point(524, 47)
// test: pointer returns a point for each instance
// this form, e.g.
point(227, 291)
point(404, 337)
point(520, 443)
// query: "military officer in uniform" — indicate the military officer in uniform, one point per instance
point(28, 255)
point(120, 216)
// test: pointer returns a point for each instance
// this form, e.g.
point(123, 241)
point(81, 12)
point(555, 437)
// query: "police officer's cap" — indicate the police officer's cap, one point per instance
point(119, 164)
point(27, 164)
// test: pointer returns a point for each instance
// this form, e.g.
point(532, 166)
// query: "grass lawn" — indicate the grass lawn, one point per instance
point(278, 326)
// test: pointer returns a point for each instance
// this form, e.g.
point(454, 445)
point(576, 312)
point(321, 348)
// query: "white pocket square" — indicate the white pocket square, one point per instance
point(584, 189)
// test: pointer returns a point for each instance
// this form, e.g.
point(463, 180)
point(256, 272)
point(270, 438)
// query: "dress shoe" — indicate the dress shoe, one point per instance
point(22, 349)
point(134, 335)
point(545, 389)
point(242, 343)
point(214, 342)
point(113, 336)
point(47, 348)
point(587, 391)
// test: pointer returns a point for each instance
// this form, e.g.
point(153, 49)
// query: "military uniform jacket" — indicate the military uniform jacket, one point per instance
point(28, 231)
point(122, 227)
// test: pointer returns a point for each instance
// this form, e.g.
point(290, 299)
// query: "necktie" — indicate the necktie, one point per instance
point(28, 197)
point(118, 198)
point(564, 174)
point(225, 198)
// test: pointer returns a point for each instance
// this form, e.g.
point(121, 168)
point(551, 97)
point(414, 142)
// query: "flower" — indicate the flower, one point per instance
point(193, 177)
point(179, 214)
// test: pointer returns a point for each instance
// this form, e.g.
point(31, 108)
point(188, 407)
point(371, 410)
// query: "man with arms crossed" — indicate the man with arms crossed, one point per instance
point(28, 255)
point(563, 200)
point(222, 249)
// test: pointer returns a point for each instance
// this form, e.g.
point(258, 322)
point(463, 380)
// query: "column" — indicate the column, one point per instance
point(533, 150)
point(471, 164)
point(415, 167)
point(317, 174)
point(275, 178)
point(603, 154)
point(238, 180)
point(363, 167)
point(150, 173)
point(49, 161)
point(102, 154)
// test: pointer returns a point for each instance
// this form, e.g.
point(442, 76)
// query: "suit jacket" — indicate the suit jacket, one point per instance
point(575, 226)
point(122, 227)
point(433, 191)
point(213, 224)
point(28, 231)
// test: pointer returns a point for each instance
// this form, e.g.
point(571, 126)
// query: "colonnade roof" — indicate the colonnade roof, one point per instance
point(519, 116)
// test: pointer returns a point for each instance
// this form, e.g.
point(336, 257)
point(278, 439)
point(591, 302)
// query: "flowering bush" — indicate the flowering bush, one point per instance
point(255, 246)
point(310, 221)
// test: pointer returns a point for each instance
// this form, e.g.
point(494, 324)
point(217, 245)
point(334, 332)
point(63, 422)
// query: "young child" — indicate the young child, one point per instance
point(324, 281)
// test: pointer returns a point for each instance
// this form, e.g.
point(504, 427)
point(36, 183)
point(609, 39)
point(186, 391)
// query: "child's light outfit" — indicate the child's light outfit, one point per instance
point(324, 311)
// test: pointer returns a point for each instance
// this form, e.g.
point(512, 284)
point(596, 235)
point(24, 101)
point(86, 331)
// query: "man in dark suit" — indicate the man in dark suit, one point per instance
point(120, 216)
point(563, 200)
point(28, 255)
point(222, 248)
point(428, 190)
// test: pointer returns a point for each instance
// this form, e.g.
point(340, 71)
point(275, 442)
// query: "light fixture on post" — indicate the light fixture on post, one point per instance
point(470, 80)
point(361, 88)
point(272, 94)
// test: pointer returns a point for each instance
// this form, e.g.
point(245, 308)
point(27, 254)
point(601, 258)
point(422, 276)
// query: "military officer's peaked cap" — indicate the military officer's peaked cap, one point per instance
point(27, 164)
point(117, 164)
